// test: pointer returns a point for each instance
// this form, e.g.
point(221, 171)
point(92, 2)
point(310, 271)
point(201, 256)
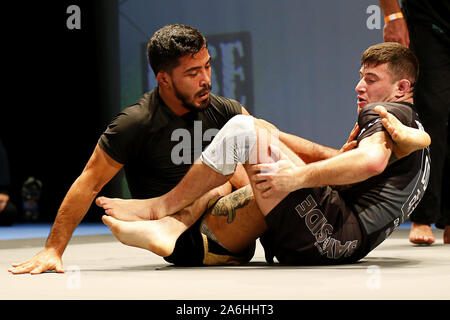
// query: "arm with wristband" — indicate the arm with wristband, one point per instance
point(395, 28)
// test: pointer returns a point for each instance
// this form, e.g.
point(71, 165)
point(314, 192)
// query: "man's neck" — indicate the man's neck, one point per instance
point(407, 98)
point(172, 102)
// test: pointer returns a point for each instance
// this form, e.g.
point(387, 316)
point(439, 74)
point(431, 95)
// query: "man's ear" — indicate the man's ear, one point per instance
point(163, 79)
point(403, 87)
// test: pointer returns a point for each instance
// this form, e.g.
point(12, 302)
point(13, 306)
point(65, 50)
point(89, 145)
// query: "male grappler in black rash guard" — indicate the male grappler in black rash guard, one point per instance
point(139, 140)
point(331, 210)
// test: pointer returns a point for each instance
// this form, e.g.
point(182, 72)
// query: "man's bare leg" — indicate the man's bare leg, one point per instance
point(157, 236)
point(160, 236)
point(126, 209)
point(263, 154)
point(238, 219)
point(141, 209)
point(235, 220)
point(199, 180)
point(407, 140)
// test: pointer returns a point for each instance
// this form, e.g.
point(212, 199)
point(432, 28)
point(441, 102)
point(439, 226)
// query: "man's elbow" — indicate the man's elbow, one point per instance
point(376, 162)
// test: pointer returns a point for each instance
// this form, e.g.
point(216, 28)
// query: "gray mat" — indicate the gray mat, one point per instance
point(99, 267)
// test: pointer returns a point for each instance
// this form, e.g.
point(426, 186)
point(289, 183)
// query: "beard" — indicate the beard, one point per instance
point(187, 101)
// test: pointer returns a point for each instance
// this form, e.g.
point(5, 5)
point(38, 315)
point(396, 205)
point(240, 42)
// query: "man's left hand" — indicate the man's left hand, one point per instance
point(275, 177)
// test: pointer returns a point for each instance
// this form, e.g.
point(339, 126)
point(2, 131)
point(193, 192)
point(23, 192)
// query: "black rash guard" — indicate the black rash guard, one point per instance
point(156, 146)
point(383, 202)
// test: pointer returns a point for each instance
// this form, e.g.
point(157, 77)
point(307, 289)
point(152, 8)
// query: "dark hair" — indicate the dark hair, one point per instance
point(402, 63)
point(172, 42)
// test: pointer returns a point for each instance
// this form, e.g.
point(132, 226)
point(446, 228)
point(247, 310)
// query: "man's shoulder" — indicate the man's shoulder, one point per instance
point(403, 111)
point(223, 108)
point(141, 111)
point(223, 102)
point(149, 99)
point(369, 121)
point(133, 115)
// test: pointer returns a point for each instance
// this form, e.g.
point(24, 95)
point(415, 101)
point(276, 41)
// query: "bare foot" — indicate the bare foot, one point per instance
point(128, 209)
point(407, 139)
point(157, 236)
point(421, 234)
point(447, 235)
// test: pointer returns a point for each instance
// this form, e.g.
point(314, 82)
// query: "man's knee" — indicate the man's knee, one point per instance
point(231, 145)
point(263, 124)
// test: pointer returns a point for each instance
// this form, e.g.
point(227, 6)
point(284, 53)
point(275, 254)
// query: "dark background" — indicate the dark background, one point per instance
point(55, 100)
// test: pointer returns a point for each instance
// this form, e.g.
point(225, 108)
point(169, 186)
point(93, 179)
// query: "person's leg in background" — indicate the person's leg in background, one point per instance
point(432, 98)
point(444, 221)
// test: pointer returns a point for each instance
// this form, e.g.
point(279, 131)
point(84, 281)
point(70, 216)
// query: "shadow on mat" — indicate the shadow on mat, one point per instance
point(383, 262)
point(150, 267)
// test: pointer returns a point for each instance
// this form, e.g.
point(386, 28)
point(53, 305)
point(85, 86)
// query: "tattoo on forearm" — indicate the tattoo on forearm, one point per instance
point(227, 206)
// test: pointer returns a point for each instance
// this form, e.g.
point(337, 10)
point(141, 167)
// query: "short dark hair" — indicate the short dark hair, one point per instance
point(402, 63)
point(172, 42)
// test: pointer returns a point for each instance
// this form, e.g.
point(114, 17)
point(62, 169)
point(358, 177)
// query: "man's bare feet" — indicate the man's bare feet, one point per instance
point(407, 140)
point(447, 235)
point(128, 209)
point(157, 236)
point(421, 234)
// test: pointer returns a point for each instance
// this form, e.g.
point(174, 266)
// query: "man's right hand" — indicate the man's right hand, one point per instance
point(351, 143)
point(396, 31)
point(46, 260)
point(98, 171)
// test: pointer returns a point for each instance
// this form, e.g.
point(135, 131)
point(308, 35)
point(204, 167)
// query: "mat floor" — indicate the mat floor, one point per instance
point(99, 267)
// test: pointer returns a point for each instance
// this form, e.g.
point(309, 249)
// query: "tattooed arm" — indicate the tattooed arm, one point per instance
point(227, 206)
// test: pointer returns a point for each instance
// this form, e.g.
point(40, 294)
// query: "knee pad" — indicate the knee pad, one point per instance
point(232, 145)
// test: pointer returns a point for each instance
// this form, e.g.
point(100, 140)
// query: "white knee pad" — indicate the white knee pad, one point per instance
point(231, 145)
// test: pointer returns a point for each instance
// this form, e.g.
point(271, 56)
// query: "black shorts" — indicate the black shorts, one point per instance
point(193, 248)
point(313, 227)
